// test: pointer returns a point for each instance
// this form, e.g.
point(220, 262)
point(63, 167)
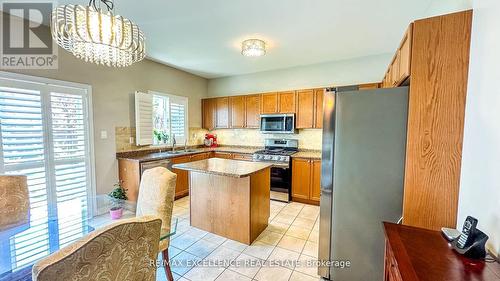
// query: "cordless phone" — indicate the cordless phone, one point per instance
point(468, 232)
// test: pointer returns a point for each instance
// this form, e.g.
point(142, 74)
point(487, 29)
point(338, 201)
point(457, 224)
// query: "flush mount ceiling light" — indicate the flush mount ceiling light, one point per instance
point(253, 48)
point(97, 35)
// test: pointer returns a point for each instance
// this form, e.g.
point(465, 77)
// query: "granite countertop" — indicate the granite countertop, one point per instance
point(313, 154)
point(151, 156)
point(224, 167)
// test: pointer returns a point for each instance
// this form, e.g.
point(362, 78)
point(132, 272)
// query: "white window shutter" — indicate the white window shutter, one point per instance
point(179, 121)
point(143, 118)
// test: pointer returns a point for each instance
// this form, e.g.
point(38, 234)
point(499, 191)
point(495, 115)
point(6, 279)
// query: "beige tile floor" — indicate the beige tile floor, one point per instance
point(280, 253)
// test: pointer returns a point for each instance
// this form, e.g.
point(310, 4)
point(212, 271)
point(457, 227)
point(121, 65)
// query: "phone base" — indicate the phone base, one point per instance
point(476, 250)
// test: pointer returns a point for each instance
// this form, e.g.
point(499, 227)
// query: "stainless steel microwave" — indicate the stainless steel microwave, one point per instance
point(277, 123)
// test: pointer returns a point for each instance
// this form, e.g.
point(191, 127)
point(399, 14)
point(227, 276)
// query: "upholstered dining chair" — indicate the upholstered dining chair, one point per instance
point(156, 197)
point(124, 250)
point(14, 201)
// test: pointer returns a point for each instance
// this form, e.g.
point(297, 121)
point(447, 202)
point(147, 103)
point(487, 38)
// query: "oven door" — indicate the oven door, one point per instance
point(281, 183)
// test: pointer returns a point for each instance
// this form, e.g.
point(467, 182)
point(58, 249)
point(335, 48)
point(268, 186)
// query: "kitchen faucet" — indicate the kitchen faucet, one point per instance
point(174, 142)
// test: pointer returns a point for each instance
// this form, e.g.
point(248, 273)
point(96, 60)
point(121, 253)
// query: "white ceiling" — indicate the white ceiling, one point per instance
point(203, 37)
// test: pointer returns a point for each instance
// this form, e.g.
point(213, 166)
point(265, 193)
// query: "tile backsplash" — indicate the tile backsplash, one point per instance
point(308, 139)
point(123, 135)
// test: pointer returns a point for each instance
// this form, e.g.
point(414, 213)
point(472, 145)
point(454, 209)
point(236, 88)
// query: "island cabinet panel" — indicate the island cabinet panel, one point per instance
point(234, 207)
point(438, 88)
point(318, 108)
point(237, 108)
point(222, 113)
point(301, 178)
point(182, 183)
point(208, 111)
point(287, 102)
point(252, 112)
point(305, 109)
point(260, 209)
point(269, 103)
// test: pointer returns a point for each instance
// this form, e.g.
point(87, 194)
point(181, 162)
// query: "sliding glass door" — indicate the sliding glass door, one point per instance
point(45, 135)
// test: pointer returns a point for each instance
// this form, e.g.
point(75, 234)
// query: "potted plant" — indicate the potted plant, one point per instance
point(118, 196)
point(161, 136)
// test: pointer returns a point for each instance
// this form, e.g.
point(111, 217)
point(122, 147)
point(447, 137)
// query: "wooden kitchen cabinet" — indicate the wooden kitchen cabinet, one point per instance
point(237, 108)
point(436, 110)
point(129, 173)
point(287, 102)
point(306, 176)
point(182, 183)
point(242, 156)
point(269, 103)
point(222, 113)
point(282, 102)
point(315, 190)
point(208, 113)
point(405, 55)
point(318, 108)
point(305, 109)
point(201, 156)
point(252, 111)
point(369, 86)
point(225, 155)
point(301, 178)
point(399, 69)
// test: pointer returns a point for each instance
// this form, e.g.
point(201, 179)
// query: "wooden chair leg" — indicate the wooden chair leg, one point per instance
point(166, 264)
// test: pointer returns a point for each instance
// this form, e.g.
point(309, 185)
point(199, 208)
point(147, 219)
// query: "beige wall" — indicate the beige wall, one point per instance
point(338, 73)
point(113, 103)
point(480, 179)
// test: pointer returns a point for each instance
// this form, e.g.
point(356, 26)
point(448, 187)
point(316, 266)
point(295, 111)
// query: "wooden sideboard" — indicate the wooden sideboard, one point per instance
point(417, 254)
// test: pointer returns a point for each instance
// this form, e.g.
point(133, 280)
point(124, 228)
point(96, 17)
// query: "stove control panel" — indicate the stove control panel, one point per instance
point(271, 158)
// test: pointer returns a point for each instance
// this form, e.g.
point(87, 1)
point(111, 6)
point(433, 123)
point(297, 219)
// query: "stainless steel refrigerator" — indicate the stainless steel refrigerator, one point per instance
point(364, 142)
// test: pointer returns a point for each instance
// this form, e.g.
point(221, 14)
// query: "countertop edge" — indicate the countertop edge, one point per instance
point(182, 166)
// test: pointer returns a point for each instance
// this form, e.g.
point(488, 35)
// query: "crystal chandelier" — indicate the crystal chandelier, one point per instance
point(253, 48)
point(97, 36)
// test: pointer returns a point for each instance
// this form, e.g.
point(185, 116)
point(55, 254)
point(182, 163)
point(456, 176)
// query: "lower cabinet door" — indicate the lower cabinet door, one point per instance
point(225, 155)
point(182, 183)
point(301, 178)
point(316, 180)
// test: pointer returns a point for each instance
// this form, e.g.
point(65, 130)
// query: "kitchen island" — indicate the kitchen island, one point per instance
point(229, 197)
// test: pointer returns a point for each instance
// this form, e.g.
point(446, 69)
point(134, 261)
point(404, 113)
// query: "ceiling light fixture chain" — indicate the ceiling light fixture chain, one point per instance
point(110, 5)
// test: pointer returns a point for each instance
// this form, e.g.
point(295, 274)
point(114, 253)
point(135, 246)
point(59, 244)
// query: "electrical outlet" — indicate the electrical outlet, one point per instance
point(131, 140)
point(104, 134)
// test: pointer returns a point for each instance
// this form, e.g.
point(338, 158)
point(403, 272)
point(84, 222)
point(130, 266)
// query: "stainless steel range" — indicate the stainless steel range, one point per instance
point(278, 152)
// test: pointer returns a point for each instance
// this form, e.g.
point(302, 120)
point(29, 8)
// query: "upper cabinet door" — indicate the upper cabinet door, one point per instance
point(208, 108)
point(269, 103)
point(318, 104)
point(252, 104)
point(222, 110)
point(305, 109)
point(237, 106)
point(286, 102)
point(405, 55)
